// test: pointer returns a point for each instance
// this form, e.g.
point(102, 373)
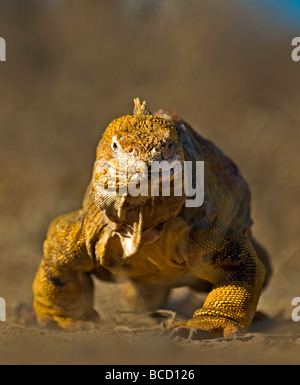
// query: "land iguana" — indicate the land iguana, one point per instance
point(155, 243)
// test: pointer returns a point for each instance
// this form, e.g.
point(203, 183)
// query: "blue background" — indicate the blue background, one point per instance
point(286, 12)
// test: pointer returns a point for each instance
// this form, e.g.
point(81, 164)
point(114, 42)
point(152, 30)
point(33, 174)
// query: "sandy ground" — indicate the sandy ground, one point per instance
point(128, 339)
point(71, 69)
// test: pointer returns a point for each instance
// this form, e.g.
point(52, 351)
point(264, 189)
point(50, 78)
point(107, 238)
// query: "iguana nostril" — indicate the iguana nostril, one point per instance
point(155, 152)
point(132, 151)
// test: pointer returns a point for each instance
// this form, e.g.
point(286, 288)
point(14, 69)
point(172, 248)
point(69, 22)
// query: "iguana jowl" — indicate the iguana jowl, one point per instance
point(155, 242)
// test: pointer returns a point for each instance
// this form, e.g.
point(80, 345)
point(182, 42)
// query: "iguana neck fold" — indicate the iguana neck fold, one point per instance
point(134, 219)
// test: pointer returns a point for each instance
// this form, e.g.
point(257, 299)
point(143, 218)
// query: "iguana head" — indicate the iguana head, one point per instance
point(126, 152)
point(141, 137)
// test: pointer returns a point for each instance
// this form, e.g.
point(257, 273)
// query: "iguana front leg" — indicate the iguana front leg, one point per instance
point(63, 289)
point(228, 260)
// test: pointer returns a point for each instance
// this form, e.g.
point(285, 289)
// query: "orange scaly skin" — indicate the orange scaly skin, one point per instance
point(155, 243)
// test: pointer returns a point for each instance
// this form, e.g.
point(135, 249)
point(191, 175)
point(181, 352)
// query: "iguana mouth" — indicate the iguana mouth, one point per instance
point(136, 174)
point(158, 168)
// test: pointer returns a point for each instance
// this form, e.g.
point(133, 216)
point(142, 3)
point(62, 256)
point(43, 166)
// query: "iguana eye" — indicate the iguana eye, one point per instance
point(169, 148)
point(115, 146)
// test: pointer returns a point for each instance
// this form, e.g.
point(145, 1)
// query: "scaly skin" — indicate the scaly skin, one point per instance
point(155, 243)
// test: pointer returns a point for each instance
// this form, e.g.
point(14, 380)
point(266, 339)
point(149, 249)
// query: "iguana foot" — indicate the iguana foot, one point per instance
point(88, 322)
point(204, 328)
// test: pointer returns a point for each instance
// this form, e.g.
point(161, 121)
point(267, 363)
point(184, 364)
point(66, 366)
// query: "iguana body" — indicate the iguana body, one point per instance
point(155, 243)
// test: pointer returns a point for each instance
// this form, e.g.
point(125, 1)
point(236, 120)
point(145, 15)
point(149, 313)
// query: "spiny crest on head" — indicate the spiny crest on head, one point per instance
point(141, 128)
point(140, 108)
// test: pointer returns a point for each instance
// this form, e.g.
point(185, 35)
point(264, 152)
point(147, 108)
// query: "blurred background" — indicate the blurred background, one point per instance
point(73, 66)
